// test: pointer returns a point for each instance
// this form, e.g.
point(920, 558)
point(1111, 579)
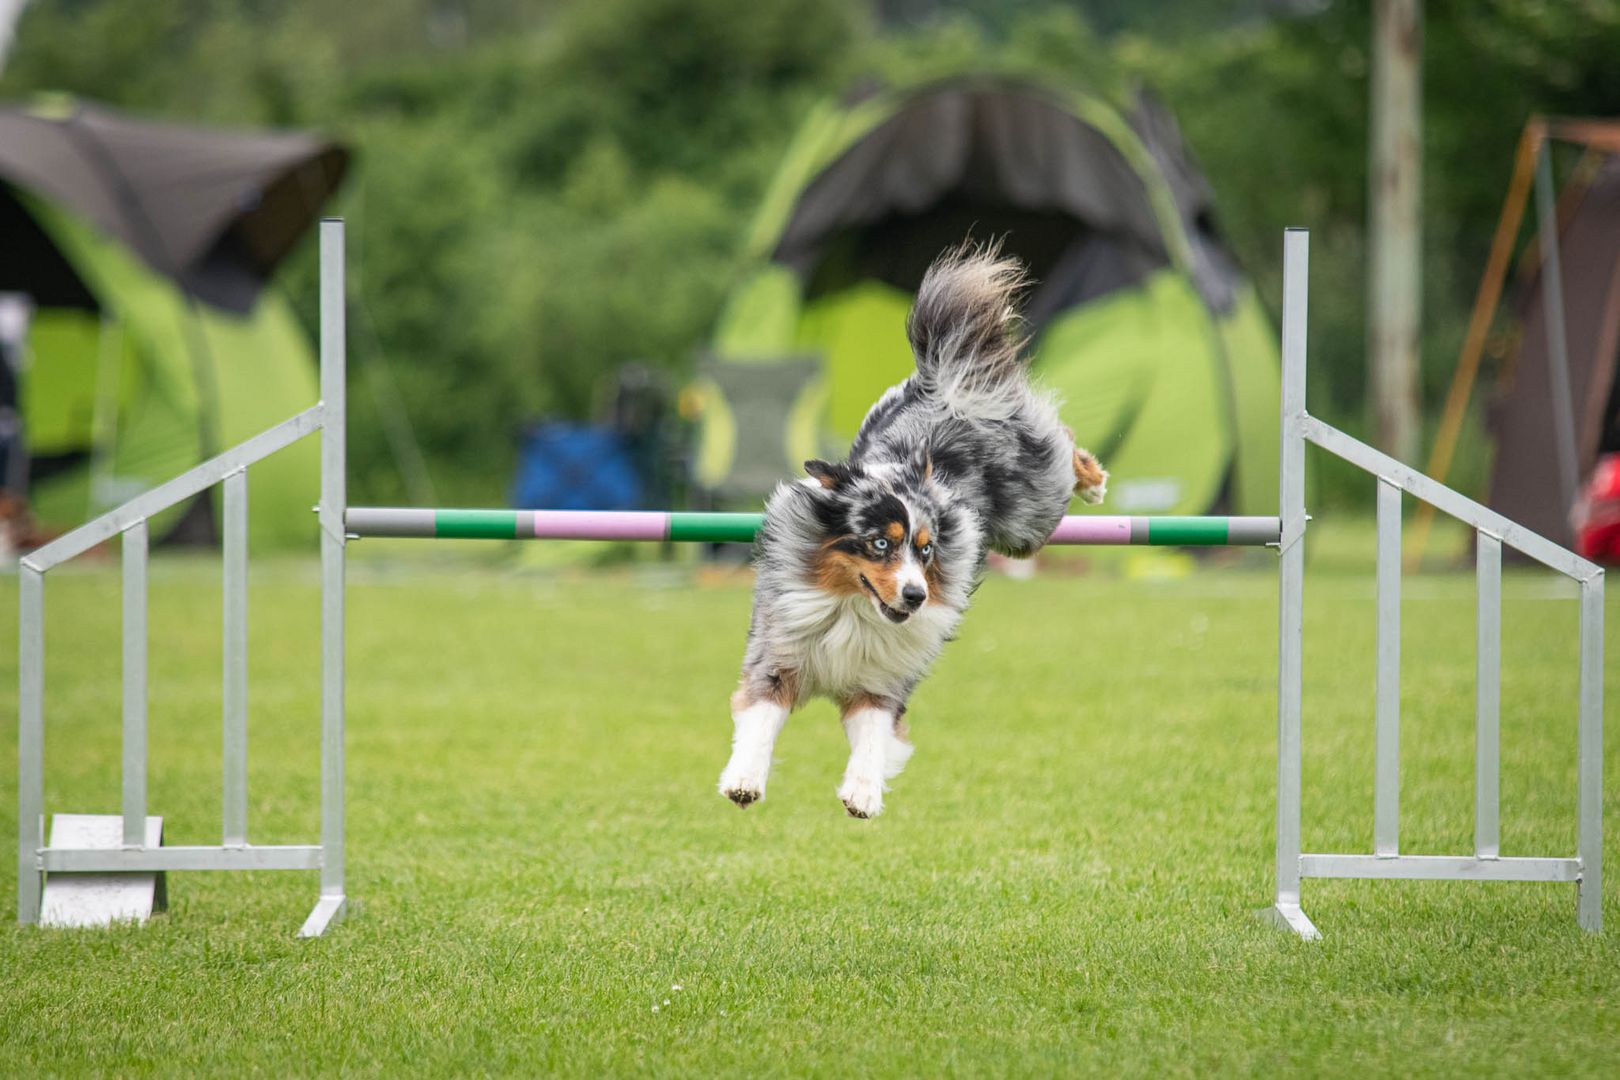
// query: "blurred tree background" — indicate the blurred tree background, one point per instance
point(546, 190)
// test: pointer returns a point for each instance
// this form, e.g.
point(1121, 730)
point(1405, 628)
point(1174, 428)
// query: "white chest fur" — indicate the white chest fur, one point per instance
point(842, 645)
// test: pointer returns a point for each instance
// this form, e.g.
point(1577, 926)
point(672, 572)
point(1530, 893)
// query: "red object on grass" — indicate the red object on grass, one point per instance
point(1597, 513)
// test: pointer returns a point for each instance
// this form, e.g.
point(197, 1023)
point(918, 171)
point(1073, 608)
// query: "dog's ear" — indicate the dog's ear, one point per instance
point(831, 476)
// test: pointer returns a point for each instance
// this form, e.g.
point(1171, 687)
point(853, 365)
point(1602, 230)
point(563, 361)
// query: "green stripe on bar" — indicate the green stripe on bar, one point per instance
point(714, 528)
point(1189, 531)
point(475, 524)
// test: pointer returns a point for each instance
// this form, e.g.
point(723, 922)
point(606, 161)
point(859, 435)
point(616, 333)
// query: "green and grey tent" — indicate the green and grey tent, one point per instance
point(1139, 316)
point(145, 249)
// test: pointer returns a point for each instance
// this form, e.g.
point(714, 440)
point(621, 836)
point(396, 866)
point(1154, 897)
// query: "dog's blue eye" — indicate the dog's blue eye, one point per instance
point(927, 550)
point(881, 544)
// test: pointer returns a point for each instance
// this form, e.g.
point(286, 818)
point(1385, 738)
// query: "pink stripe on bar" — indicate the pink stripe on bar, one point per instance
point(598, 524)
point(1080, 529)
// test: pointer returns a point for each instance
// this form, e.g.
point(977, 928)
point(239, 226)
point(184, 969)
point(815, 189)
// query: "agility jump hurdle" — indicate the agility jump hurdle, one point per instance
point(41, 866)
point(677, 527)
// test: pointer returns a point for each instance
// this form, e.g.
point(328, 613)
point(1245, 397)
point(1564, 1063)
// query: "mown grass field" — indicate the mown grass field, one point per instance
point(543, 879)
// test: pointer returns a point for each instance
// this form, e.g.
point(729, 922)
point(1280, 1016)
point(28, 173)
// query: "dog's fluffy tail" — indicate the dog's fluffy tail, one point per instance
point(964, 329)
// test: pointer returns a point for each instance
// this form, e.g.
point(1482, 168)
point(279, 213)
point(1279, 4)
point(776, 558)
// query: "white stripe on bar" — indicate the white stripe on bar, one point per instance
point(390, 520)
point(1439, 867)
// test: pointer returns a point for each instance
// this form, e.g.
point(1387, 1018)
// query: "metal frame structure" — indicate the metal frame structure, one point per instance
point(229, 470)
point(339, 523)
point(1486, 863)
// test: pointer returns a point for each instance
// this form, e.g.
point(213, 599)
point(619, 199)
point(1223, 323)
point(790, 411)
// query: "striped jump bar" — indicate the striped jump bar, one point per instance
point(657, 525)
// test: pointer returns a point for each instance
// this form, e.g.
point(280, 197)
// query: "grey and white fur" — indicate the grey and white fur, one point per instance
point(865, 567)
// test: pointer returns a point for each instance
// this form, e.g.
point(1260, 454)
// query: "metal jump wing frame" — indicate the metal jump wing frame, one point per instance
point(140, 850)
point(1493, 530)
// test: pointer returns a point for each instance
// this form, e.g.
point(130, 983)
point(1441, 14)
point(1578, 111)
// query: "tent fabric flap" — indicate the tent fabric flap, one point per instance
point(1137, 313)
point(215, 211)
point(188, 380)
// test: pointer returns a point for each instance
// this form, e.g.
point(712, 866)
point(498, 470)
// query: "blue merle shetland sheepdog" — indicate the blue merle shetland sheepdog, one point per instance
point(865, 567)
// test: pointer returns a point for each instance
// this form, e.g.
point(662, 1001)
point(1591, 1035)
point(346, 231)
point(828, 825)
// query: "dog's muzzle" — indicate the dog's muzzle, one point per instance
point(893, 614)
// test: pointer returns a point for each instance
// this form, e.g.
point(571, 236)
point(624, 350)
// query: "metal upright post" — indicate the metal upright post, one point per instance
point(333, 503)
point(30, 740)
point(1387, 710)
point(1487, 696)
point(1291, 597)
point(235, 763)
point(134, 771)
point(1589, 759)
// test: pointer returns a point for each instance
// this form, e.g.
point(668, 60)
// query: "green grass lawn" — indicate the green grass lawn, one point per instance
point(543, 880)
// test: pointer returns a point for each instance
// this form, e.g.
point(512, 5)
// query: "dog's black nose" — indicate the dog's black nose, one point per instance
point(913, 595)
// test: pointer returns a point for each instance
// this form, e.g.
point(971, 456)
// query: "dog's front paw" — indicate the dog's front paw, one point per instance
point(742, 784)
point(1090, 479)
point(862, 796)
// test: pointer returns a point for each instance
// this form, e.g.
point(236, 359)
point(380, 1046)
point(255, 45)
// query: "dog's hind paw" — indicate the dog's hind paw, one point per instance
point(862, 797)
point(1090, 479)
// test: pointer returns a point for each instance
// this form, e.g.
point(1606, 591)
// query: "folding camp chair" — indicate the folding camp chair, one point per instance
point(758, 422)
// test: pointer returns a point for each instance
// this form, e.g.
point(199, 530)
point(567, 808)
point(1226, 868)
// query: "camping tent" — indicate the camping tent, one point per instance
point(145, 249)
point(1140, 318)
point(1526, 480)
point(1555, 408)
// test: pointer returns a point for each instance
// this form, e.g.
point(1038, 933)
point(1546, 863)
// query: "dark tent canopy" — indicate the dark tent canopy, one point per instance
point(1139, 317)
point(999, 158)
point(144, 250)
point(216, 212)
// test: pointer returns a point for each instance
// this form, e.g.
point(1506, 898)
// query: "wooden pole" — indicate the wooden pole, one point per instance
point(1394, 283)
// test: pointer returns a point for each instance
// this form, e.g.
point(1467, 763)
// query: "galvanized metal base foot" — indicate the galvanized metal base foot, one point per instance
point(1290, 917)
point(328, 910)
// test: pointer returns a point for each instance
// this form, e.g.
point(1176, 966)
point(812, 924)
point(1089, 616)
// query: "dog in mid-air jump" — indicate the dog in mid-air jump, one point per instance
point(865, 567)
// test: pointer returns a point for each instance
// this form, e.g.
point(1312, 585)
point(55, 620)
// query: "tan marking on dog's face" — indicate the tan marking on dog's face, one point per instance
point(930, 564)
point(896, 533)
point(884, 578)
point(841, 574)
point(838, 572)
